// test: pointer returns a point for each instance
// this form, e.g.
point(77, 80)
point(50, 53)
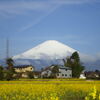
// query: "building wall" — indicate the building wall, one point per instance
point(63, 73)
point(29, 68)
point(47, 73)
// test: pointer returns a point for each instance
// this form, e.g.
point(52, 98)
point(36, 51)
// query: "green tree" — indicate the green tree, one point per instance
point(54, 71)
point(10, 72)
point(10, 63)
point(30, 75)
point(74, 63)
point(1, 73)
point(76, 57)
point(8, 75)
point(67, 62)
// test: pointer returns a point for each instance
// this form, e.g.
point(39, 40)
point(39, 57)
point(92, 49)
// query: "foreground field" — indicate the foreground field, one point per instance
point(46, 89)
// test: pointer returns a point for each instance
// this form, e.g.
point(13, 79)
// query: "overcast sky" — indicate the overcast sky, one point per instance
point(28, 23)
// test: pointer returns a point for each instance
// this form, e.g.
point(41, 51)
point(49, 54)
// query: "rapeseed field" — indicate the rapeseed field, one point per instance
point(49, 90)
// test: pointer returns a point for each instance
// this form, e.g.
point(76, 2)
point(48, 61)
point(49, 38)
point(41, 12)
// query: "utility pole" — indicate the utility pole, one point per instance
point(7, 48)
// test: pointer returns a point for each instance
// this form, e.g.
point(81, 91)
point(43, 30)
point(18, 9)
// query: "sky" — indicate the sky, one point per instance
point(27, 23)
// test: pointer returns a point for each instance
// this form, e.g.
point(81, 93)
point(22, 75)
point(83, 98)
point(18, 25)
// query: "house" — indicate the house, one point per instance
point(24, 68)
point(63, 72)
point(92, 75)
point(82, 76)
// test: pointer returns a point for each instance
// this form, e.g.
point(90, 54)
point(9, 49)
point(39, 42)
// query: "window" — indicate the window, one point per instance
point(65, 74)
point(62, 74)
point(31, 68)
point(57, 74)
point(66, 69)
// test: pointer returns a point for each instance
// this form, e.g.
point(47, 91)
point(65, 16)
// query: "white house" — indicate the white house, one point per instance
point(64, 72)
point(82, 75)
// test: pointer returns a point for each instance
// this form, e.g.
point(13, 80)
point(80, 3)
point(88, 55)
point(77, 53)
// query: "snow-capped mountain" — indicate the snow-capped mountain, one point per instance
point(45, 54)
point(51, 52)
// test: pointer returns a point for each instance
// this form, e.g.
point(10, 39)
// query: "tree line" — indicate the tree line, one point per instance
point(8, 72)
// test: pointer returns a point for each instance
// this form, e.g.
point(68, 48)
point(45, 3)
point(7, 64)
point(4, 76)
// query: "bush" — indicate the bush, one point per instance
point(1, 73)
point(9, 74)
point(30, 75)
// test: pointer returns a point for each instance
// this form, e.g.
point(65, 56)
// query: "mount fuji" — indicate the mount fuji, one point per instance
point(48, 53)
point(45, 54)
point(50, 50)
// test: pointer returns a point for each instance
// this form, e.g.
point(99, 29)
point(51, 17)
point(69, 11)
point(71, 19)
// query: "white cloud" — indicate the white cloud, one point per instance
point(33, 23)
point(90, 58)
point(97, 55)
point(87, 58)
point(74, 1)
point(20, 7)
point(13, 8)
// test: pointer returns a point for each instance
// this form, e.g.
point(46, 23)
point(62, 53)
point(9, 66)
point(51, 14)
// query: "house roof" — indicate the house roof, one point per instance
point(22, 66)
point(60, 67)
point(63, 67)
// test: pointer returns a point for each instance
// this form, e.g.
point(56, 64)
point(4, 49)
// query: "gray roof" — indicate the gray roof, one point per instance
point(63, 67)
point(22, 66)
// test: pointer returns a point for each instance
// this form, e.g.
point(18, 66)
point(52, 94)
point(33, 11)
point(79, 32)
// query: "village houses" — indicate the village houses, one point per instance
point(64, 72)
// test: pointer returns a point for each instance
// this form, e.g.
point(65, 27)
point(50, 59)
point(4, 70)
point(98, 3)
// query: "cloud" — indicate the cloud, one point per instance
point(97, 55)
point(74, 1)
point(39, 19)
point(87, 58)
point(90, 58)
point(23, 6)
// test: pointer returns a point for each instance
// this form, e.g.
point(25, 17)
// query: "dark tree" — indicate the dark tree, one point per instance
point(10, 72)
point(10, 63)
point(67, 62)
point(1, 73)
point(55, 70)
point(74, 63)
point(75, 56)
point(30, 75)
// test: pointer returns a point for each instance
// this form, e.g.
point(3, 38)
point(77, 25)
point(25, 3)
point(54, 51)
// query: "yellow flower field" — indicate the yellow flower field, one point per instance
point(46, 89)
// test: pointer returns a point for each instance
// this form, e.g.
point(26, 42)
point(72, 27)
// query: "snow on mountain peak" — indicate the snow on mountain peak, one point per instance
point(52, 52)
point(50, 49)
